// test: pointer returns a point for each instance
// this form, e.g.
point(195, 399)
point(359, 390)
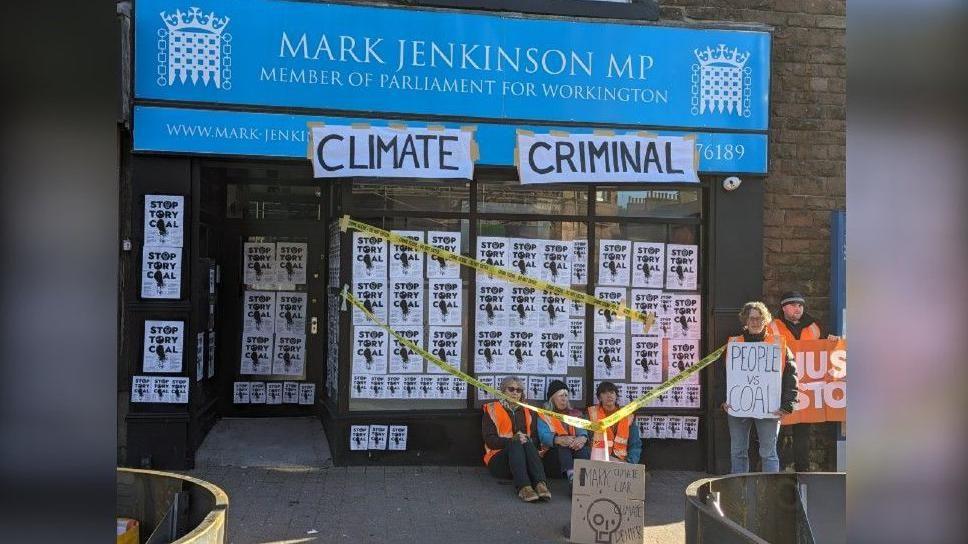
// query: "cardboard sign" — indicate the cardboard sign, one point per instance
point(445, 302)
point(257, 392)
point(522, 350)
point(608, 503)
point(494, 251)
point(555, 258)
point(681, 355)
point(648, 264)
point(161, 272)
point(274, 393)
point(554, 312)
point(490, 349)
point(378, 437)
point(260, 312)
point(359, 437)
point(340, 151)
point(446, 344)
point(438, 268)
point(646, 359)
point(289, 355)
point(373, 295)
point(240, 393)
point(525, 305)
point(686, 316)
point(406, 263)
point(493, 303)
point(606, 320)
point(164, 220)
point(553, 352)
point(307, 394)
point(406, 301)
point(370, 346)
point(291, 260)
point(598, 158)
point(682, 266)
point(163, 346)
point(614, 262)
point(754, 372)
point(398, 438)
point(610, 356)
point(647, 302)
point(256, 353)
point(579, 262)
point(576, 354)
point(291, 312)
point(822, 386)
point(369, 257)
point(404, 360)
point(259, 263)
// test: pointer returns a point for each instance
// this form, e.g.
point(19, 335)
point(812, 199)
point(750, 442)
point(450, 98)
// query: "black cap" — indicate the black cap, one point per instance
point(555, 386)
point(605, 387)
point(792, 296)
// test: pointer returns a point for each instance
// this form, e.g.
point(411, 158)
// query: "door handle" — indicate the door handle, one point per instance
point(313, 325)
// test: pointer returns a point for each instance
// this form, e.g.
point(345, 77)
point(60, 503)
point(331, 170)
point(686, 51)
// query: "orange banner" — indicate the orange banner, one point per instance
point(822, 369)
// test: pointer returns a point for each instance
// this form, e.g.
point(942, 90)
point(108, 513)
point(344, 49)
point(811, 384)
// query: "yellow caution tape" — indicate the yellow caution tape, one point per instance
point(577, 296)
point(593, 426)
point(571, 420)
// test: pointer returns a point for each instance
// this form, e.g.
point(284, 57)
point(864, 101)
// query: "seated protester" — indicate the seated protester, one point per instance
point(561, 443)
point(622, 439)
point(510, 438)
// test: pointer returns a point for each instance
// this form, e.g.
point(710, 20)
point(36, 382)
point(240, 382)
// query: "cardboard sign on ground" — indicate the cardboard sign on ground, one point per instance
point(607, 503)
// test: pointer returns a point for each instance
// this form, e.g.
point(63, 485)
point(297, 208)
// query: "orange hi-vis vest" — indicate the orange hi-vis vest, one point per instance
point(617, 436)
point(779, 328)
point(505, 427)
point(558, 428)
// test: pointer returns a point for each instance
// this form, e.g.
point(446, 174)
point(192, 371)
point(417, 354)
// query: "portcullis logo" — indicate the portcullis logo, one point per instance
point(194, 47)
point(721, 82)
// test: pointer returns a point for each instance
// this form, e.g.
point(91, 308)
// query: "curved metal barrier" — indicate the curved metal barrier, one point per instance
point(777, 508)
point(172, 508)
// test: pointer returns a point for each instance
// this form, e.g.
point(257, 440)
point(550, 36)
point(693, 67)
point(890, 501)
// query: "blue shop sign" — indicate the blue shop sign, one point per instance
point(410, 61)
point(219, 132)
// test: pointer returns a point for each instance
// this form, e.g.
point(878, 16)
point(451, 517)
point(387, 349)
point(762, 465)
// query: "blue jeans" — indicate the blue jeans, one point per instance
point(767, 430)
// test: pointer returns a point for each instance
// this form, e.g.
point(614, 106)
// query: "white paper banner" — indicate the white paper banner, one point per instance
point(493, 302)
point(406, 301)
point(164, 220)
point(291, 312)
point(260, 310)
point(406, 263)
point(340, 151)
point(682, 265)
point(596, 158)
point(490, 350)
point(404, 360)
point(614, 261)
point(163, 346)
point(609, 356)
point(494, 251)
point(260, 260)
point(369, 257)
point(370, 346)
point(444, 298)
point(289, 355)
point(446, 344)
point(161, 272)
point(648, 264)
point(438, 268)
point(256, 353)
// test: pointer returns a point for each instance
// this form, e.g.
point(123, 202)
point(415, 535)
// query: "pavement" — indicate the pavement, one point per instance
point(287, 491)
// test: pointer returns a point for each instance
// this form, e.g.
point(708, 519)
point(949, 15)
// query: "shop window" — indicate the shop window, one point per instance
point(660, 203)
point(273, 201)
point(409, 195)
point(509, 196)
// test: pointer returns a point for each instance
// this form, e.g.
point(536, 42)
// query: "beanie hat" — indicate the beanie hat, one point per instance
point(555, 386)
point(791, 297)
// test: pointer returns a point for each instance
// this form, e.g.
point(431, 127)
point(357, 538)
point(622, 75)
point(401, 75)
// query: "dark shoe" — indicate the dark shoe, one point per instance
point(543, 492)
point(527, 494)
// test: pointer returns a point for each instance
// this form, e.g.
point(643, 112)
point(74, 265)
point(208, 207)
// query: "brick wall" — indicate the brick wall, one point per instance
point(808, 135)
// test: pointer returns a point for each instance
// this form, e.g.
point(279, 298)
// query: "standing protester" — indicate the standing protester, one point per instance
point(796, 324)
point(756, 318)
point(622, 439)
point(561, 443)
point(510, 434)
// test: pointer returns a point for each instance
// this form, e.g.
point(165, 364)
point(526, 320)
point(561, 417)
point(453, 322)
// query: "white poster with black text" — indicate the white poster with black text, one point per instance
point(164, 220)
point(259, 264)
point(682, 266)
point(161, 272)
point(406, 263)
point(438, 267)
point(163, 346)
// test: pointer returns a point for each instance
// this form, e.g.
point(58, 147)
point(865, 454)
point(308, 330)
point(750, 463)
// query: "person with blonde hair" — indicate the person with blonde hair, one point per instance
point(561, 443)
point(510, 437)
point(756, 318)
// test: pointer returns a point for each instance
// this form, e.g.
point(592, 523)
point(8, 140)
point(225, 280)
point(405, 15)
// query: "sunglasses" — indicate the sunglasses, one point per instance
point(515, 390)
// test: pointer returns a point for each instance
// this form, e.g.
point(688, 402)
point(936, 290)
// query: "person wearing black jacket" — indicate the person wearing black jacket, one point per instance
point(755, 318)
point(510, 444)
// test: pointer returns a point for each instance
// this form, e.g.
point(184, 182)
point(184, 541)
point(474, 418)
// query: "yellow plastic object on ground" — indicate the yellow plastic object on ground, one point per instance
point(128, 531)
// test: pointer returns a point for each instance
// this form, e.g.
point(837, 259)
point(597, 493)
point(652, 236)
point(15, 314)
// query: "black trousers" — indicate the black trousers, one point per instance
point(519, 462)
point(558, 460)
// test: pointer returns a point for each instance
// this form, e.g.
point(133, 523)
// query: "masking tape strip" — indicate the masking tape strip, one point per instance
point(647, 319)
